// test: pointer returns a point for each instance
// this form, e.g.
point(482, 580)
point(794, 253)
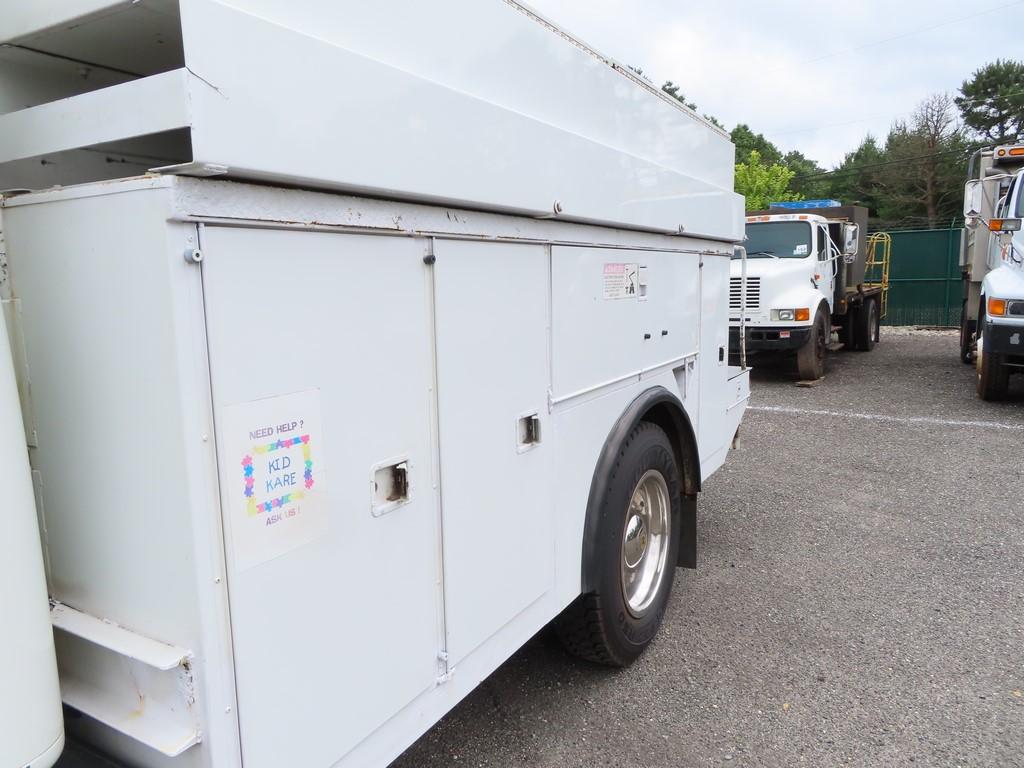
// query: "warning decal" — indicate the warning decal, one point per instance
point(621, 281)
point(274, 476)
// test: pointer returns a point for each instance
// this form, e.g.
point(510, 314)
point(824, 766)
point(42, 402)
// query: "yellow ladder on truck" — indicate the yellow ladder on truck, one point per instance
point(876, 268)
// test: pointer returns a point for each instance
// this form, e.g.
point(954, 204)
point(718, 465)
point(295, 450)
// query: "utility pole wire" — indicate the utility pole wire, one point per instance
point(898, 161)
point(978, 100)
point(912, 32)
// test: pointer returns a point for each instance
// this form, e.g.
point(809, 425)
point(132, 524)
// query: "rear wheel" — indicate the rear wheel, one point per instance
point(810, 358)
point(866, 326)
point(966, 334)
point(638, 545)
point(993, 376)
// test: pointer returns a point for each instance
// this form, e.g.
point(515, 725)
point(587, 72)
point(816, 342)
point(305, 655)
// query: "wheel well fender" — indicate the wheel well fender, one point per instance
point(658, 406)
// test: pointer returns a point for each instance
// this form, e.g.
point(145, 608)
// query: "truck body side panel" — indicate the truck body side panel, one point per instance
point(328, 428)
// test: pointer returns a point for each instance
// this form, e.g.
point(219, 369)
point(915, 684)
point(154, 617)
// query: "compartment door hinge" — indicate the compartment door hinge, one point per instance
point(446, 672)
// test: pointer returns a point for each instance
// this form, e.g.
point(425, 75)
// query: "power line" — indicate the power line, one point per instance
point(978, 100)
point(898, 161)
point(911, 33)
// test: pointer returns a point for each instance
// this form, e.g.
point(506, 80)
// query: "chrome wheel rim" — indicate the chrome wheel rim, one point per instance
point(645, 542)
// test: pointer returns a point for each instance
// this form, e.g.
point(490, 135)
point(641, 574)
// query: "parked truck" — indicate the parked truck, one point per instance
point(348, 366)
point(992, 320)
point(811, 270)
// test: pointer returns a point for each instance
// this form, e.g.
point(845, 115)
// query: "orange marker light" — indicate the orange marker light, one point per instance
point(997, 307)
point(1017, 152)
point(803, 315)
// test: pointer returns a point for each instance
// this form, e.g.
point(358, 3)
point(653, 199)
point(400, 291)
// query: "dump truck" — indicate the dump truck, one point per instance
point(812, 270)
point(992, 320)
point(349, 367)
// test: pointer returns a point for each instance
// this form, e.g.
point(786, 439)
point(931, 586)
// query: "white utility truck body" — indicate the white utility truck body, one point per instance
point(804, 274)
point(992, 259)
point(31, 723)
point(314, 462)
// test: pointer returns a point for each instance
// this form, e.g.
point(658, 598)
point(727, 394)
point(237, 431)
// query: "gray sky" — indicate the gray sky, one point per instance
point(812, 76)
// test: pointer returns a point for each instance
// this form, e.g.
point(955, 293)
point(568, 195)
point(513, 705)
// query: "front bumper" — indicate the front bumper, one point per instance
point(769, 339)
point(1003, 339)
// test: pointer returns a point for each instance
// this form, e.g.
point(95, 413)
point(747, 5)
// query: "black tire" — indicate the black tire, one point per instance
point(810, 358)
point(966, 334)
point(865, 329)
point(600, 626)
point(846, 329)
point(993, 377)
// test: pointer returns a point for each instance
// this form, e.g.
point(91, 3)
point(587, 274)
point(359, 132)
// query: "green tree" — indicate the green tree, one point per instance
point(807, 179)
point(856, 180)
point(763, 183)
point(921, 181)
point(991, 102)
point(672, 89)
point(747, 141)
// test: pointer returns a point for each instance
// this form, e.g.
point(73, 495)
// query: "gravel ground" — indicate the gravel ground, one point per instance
point(859, 600)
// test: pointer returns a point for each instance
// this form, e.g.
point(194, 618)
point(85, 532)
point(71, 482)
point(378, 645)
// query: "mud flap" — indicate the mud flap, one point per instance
point(688, 534)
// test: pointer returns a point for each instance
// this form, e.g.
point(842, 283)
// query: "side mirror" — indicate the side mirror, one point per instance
point(851, 236)
point(974, 198)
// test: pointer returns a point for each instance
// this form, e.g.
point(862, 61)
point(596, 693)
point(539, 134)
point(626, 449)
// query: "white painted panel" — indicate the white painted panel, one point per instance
point(723, 390)
point(136, 108)
point(20, 18)
point(336, 635)
point(492, 361)
point(133, 36)
point(601, 332)
point(541, 74)
point(319, 113)
point(30, 711)
point(94, 278)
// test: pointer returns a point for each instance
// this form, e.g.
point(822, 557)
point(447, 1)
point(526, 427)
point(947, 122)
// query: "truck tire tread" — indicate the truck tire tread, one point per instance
point(596, 626)
point(581, 629)
point(865, 326)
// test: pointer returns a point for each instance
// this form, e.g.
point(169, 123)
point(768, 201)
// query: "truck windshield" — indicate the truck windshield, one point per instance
point(782, 239)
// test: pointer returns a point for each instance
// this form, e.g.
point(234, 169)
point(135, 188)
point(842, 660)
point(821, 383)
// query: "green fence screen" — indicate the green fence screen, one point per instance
point(924, 278)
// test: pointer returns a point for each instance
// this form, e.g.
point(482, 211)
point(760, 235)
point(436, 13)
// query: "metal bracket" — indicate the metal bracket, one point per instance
point(141, 687)
point(444, 677)
point(202, 170)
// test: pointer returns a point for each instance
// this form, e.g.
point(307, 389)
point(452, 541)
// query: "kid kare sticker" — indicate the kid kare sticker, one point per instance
point(274, 476)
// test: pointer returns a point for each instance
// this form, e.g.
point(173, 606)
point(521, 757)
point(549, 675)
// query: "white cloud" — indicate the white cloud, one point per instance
point(811, 76)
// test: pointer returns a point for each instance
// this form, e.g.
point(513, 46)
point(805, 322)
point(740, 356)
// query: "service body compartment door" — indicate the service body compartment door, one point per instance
point(620, 312)
point(320, 359)
point(496, 453)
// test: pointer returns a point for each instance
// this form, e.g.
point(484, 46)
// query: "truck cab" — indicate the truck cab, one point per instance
point(795, 284)
point(999, 336)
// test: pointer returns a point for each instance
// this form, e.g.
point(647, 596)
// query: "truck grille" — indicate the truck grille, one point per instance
point(753, 293)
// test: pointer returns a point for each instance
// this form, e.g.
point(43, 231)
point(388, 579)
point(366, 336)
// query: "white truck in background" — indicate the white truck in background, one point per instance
point(347, 369)
point(992, 259)
point(805, 276)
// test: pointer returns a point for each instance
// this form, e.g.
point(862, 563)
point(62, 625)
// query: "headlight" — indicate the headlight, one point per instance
point(801, 315)
point(1015, 308)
